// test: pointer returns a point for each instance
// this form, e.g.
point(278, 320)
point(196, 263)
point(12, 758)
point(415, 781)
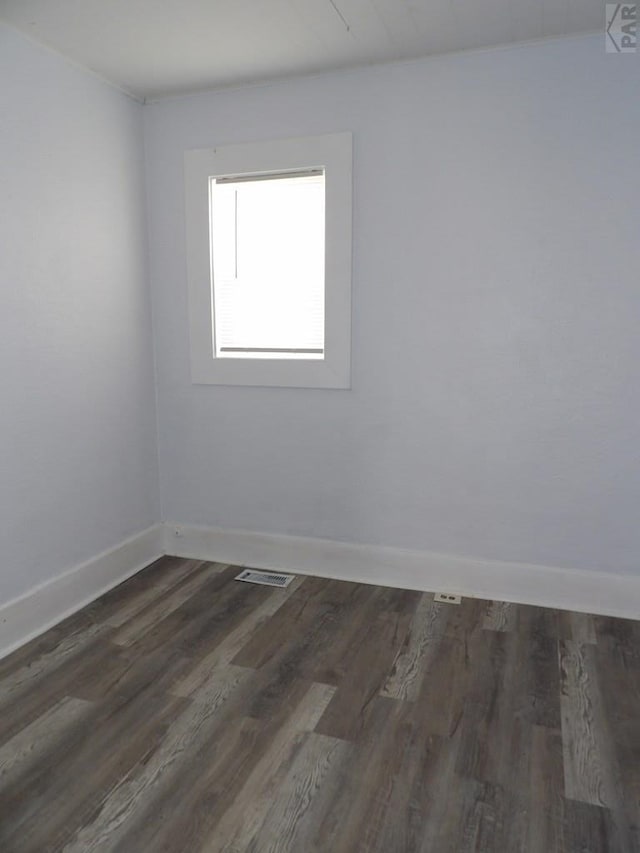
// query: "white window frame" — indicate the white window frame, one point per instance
point(333, 153)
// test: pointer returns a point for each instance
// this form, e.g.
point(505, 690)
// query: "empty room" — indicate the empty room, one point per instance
point(320, 426)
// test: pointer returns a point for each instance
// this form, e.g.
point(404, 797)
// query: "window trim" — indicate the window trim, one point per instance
point(333, 152)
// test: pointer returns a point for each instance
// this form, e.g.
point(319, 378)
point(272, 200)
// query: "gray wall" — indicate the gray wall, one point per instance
point(78, 456)
point(494, 410)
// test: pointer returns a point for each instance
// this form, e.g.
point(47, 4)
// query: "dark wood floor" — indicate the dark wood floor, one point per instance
point(184, 711)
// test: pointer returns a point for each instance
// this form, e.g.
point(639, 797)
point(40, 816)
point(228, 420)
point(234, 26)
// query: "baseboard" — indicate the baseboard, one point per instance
point(44, 606)
point(546, 586)
point(568, 589)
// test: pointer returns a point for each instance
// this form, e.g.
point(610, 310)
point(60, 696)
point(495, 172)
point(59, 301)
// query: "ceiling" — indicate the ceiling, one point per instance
point(153, 48)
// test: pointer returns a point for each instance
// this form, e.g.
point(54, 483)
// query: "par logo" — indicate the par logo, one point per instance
point(622, 27)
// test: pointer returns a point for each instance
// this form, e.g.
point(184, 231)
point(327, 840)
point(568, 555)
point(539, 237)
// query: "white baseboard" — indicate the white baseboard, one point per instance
point(546, 586)
point(567, 589)
point(49, 603)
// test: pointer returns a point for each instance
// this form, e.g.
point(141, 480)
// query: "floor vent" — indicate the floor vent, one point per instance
point(266, 578)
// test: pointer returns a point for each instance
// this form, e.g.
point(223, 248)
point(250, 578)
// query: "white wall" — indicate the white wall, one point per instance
point(78, 456)
point(495, 401)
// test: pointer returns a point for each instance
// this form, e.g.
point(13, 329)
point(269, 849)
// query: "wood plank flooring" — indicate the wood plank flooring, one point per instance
point(186, 712)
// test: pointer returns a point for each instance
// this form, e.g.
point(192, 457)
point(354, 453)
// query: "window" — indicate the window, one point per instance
point(269, 262)
point(267, 250)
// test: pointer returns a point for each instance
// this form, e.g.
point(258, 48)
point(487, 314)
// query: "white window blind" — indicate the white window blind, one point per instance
point(268, 265)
